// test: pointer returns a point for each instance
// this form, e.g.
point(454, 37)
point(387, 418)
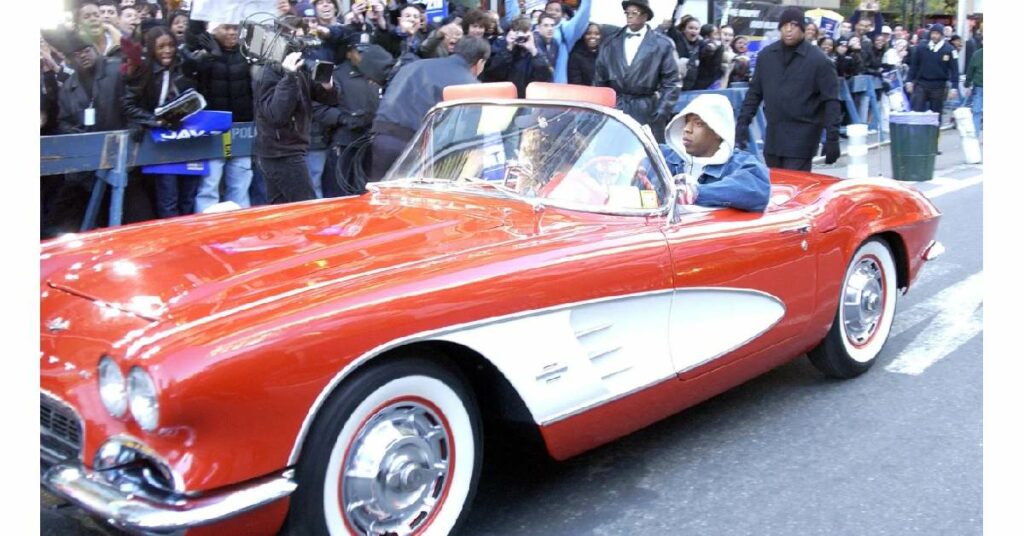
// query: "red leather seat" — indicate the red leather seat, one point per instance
point(604, 96)
point(493, 90)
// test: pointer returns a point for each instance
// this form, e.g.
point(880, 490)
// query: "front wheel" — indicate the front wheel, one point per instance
point(866, 306)
point(397, 451)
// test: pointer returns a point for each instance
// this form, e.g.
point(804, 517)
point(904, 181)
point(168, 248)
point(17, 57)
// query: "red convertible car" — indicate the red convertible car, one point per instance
point(330, 367)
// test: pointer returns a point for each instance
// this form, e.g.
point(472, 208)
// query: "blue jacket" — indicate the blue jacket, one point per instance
point(566, 34)
point(933, 69)
point(418, 86)
point(741, 183)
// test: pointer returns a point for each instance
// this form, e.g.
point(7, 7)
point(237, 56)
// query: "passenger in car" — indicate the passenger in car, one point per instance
point(699, 143)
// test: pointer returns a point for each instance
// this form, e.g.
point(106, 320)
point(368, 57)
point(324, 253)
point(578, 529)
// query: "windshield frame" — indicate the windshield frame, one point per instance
point(649, 145)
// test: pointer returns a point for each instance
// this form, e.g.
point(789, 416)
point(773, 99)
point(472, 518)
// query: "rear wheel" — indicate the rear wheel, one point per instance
point(396, 451)
point(866, 306)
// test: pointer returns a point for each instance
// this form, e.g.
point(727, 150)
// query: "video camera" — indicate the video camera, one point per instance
point(269, 41)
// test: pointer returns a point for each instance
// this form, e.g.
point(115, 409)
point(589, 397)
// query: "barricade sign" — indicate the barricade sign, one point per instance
point(437, 10)
point(203, 123)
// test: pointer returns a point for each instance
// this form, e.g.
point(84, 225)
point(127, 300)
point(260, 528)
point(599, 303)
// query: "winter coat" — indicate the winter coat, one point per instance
point(352, 117)
point(710, 69)
point(800, 99)
point(647, 89)
point(690, 51)
point(142, 94)
point(417, 88)
point(284, 108)
point(932, 70)
point(107, 94)
point(848, 65)
point(517, 66)
point(226, 84)
point(582, 64)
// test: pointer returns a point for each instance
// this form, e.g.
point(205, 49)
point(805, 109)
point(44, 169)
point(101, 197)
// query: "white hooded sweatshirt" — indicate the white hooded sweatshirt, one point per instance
point(716, 111)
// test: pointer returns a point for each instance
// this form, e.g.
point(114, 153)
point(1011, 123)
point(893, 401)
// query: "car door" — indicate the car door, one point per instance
point(743, 282)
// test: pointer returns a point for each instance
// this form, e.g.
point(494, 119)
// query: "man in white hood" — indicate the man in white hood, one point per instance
point(700, 143)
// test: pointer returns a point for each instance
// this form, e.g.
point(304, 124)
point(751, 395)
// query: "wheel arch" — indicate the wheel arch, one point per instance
point(900, 258)
point(499, 403)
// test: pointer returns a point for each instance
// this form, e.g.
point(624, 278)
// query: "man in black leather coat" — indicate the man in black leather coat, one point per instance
point(639, 64)
point(800, 90)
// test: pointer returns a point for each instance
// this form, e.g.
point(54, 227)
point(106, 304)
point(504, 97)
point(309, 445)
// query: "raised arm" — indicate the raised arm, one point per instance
point(575, 27)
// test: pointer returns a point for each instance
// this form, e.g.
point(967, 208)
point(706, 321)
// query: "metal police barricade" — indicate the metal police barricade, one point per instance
point(112, 154)
point(735, 96)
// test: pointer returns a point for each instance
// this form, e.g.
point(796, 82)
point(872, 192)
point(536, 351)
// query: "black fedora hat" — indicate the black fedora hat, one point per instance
point(642, 4)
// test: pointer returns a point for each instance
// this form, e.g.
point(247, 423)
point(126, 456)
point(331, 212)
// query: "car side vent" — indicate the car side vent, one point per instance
point(604, 349)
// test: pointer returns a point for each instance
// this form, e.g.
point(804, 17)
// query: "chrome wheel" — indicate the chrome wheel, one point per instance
point(397, 469)
point(863, 300)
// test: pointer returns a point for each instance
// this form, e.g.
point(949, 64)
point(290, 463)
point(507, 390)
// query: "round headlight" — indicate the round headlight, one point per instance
point(142, 399)
point(112, 387)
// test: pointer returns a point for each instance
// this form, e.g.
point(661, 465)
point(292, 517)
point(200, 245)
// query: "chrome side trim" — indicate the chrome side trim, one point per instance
point(934, 250)
point(90, 492)
point(146, 451)
point(427, 335)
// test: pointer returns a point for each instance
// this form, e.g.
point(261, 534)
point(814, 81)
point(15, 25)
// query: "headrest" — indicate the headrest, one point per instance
point(494, 90)
point(604, 96)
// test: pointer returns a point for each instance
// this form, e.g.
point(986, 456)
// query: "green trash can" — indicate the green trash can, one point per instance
point(915, 143)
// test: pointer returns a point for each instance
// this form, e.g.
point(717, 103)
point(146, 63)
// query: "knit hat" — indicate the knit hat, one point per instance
point(793, 14)
point(937, 28)
point(304, 10)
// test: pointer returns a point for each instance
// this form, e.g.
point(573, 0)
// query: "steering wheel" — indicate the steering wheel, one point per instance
point(596, 167)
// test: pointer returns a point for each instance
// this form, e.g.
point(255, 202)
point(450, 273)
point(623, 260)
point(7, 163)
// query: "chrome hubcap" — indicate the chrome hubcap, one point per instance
point(863, 301)
point(396, 470)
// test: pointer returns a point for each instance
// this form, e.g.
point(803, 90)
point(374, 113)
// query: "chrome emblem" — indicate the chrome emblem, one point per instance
point(58, 324)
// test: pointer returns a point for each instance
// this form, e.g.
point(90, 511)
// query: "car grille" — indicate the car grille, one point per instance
point(60, 431)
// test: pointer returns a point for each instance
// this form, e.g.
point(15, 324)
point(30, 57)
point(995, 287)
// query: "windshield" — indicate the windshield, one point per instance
point(574, 156)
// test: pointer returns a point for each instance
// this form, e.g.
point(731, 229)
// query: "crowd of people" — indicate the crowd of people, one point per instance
point(124, 59)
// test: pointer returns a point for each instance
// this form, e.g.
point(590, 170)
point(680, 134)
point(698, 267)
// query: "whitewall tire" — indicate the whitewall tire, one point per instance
point(396, 450)
point(867, 303)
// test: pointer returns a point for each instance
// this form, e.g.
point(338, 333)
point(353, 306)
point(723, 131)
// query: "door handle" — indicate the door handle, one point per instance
point(801, 230)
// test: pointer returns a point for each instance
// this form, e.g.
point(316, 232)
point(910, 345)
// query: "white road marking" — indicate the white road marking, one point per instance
point(947, 188)
point(957, 319)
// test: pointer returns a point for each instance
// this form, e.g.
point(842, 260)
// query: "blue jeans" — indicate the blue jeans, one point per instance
point(258, 186)
point(175, 195)
point(316, 161)
point(977, 107)
point(237, 175)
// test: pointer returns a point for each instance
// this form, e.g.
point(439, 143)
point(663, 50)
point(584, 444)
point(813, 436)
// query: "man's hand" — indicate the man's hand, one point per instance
point(530, 45)
point(207, 42)
point(742, 134)
point(292, 62)
point(831, 150)
point(909, 86)
point(510, 39)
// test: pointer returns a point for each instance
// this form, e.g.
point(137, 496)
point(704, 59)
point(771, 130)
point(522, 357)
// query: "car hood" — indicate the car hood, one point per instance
point(199, 265)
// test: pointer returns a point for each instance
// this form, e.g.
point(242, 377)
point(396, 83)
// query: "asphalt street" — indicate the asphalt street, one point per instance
point(895, 451)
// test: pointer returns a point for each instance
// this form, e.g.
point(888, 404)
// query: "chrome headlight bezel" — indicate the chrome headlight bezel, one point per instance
point(142, 399)
point(113, 386)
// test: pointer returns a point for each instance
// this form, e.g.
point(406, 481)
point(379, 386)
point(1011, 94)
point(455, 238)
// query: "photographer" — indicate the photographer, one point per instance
point(515, 58)
point(284, 93)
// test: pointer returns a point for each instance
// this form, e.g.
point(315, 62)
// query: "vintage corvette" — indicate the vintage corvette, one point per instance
point(332, 366)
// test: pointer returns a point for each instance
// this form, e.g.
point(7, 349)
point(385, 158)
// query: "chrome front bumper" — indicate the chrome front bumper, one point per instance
point(135, 513)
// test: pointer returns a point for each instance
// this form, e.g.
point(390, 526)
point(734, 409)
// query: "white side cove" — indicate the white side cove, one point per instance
point(710, 322)
point(568, 360)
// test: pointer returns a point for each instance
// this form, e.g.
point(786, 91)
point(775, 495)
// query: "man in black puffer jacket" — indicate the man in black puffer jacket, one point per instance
point(225, 82)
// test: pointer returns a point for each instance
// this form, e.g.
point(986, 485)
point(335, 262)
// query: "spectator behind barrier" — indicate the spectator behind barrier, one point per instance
point(583, 60)
point(686, 36)
point(441, 42)
point(162, 78)
point(709, 71)
point(104, 36)
point(567, 31)
point(225, 81)
point(284, 93)
point(518, 62)
point(544, 39)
